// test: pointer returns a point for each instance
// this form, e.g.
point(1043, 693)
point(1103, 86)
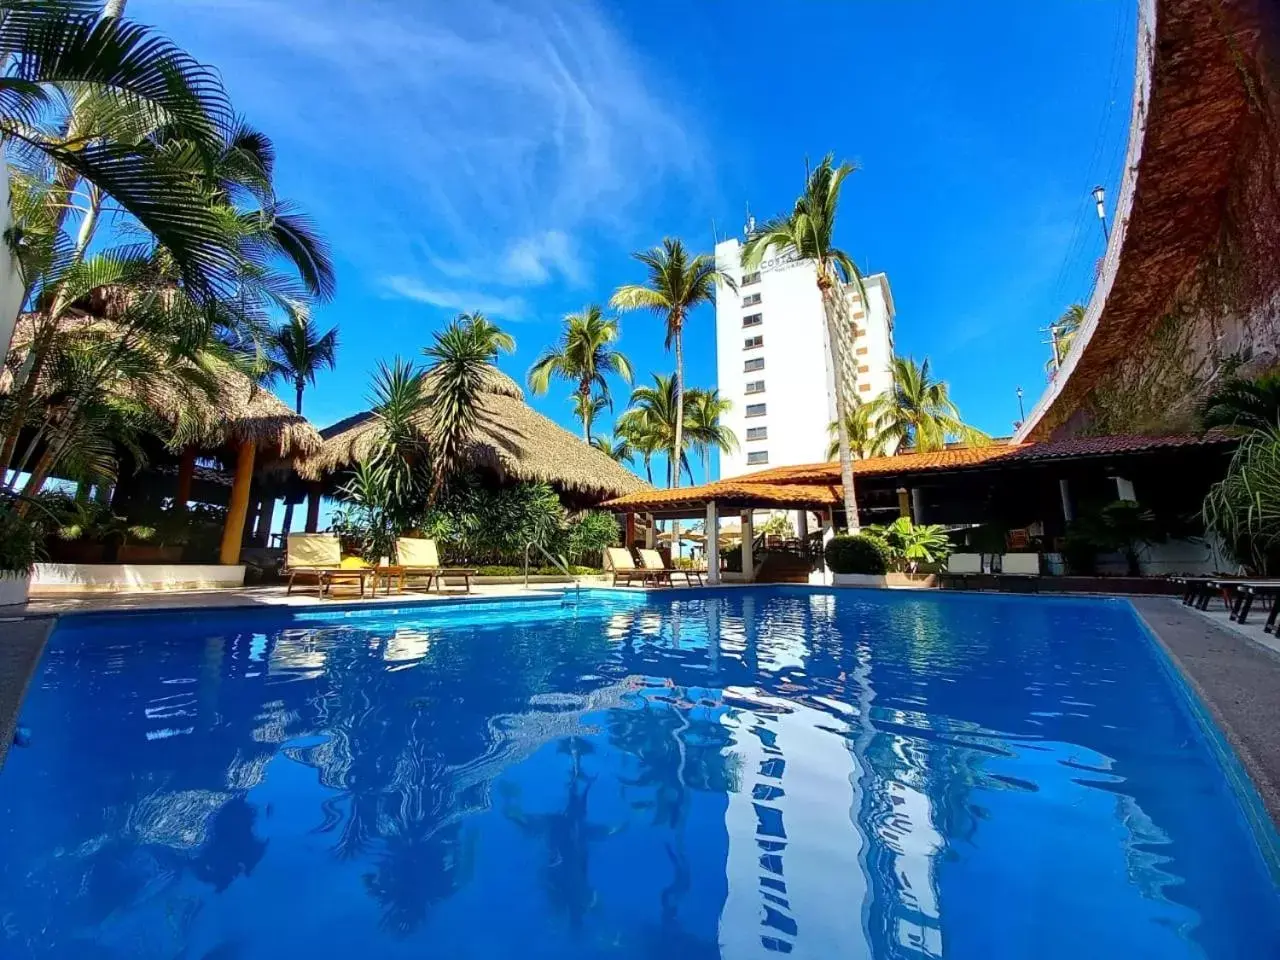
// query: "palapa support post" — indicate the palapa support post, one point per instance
point(713, 544)
point(237, 506)
point(629, 538)
point(313, 506)
point(186, 473)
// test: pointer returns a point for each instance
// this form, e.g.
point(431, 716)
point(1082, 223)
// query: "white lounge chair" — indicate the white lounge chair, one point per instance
point(624, 568)
point(418, 557)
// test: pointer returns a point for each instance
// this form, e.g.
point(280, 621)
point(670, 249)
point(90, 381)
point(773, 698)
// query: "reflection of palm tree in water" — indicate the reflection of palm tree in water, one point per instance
point(568, 835)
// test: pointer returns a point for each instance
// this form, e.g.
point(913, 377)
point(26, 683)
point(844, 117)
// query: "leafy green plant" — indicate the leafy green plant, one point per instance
point(1242, 405)
point(908, 545)
point(1243, 509)
point(859, 554)
point(21, 544)
point(589, 534)
point(1122, 526)
point(778, 525)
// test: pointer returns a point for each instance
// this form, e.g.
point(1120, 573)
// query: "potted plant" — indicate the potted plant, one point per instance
point(859, 561)
point(21, 548)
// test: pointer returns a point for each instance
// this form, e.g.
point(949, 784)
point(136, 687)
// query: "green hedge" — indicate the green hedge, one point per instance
point(859, 554)
point(494, 570)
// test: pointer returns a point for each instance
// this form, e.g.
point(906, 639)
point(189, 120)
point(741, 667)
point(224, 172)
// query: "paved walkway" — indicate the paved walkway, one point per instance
point(248, 597)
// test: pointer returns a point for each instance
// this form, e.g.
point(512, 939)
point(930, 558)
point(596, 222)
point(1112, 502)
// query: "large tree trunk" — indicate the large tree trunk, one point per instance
point(584, 391)
point(852, 522)
point(678, 445)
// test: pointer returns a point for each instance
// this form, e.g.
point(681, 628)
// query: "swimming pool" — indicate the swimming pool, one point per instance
point(731, 773)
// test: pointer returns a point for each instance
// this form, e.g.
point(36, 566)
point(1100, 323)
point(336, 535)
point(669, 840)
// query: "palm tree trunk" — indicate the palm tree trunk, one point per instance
point(287, 523)
point(679, 438)
point(584, 391)
point(842, 418)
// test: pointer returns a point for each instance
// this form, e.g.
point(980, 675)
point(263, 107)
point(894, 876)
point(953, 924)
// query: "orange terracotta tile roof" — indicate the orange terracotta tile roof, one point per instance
point(738, 490)
point(818, 484)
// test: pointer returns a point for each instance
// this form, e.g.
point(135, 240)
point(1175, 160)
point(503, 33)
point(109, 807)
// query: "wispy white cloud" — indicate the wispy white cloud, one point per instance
point(447, 298)
point(479, 140)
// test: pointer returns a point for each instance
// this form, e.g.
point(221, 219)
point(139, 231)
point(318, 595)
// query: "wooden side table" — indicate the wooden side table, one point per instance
point(387, 575)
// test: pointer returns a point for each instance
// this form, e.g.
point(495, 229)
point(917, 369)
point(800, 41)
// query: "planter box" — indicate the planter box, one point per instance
point(14, 589)
point(911, 581)
point(56, 579)
point(148, 553)
point(859, 580)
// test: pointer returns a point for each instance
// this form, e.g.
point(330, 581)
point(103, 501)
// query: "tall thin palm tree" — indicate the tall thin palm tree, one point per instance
point(462, 357)
point(918, 411)
point(677, 284)
point(586, 408)
point(865, 427)
point(704, 408)
point(586, 356)
point(650, 424)
point(809, 232)
point(297, 352)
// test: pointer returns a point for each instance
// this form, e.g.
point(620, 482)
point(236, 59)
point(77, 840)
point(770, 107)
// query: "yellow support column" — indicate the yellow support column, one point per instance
point(238, 506)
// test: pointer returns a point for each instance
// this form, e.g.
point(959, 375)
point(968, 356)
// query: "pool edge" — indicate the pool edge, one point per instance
point(1225, 731)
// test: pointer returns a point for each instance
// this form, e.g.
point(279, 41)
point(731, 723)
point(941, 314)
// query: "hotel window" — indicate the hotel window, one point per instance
point(750, 278)
point(753, 320)
point(751, 300)
point(756, 409)
point(755, 386)
point(755, 363)
point(757, 433)
point(757, 457)
point(864, 388)
point(750, 343)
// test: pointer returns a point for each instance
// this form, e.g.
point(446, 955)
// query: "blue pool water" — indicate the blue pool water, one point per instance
point(739, 774)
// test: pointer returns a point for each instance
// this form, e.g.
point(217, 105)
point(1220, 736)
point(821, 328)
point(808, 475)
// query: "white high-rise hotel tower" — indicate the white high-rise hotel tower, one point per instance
point(772, 358)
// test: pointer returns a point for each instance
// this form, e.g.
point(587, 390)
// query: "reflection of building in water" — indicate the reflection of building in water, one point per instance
point(833, 836)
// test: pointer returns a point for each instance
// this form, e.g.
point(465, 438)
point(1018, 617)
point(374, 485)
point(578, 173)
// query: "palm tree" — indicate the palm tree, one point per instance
point(618, 449)
point(462, 357)
point(584, 355)
point(1063, 331)
point(641, 437)
point(865, 429)
point(298, 351)
point(587, 408)
point(918, 411)
point(650, 425)
point(1244, 406)
point(109, 72)
point(704, 409)
point(676, 285)
point(809, 232)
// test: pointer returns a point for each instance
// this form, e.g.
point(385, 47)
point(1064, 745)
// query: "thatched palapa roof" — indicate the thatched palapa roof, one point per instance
point(512, 439)
point(239, 410)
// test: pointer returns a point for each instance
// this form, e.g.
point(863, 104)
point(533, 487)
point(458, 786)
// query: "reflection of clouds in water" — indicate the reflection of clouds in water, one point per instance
point(179, 820)
point(406, 647)
point(273, 723)
point(299, 655)
point(246, 772)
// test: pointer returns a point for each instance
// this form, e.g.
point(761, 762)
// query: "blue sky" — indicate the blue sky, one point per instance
point(508, 157)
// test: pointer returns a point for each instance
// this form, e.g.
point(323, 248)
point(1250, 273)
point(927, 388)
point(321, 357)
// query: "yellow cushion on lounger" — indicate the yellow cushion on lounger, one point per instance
point(354, 563)
point(620, 558)
point(312, 550)
point(417, 552)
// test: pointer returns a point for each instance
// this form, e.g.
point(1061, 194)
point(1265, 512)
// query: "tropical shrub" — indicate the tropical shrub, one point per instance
point(1243, 509)
point(908, 545)
point(857, 554)
point(588, 536)
point(21, 544)
point(1122, 526)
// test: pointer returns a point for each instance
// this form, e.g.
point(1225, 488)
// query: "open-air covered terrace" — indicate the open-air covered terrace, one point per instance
point(1037, 489)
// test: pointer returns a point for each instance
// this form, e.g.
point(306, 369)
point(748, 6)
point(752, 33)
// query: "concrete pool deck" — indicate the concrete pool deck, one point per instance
point(1234, 670)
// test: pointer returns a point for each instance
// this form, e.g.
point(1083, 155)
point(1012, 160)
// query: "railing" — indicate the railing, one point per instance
point(555, 562)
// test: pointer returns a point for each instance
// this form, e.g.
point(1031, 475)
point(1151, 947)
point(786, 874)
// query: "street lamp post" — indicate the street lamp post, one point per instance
point(1022, 416)
point(1100, 198)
